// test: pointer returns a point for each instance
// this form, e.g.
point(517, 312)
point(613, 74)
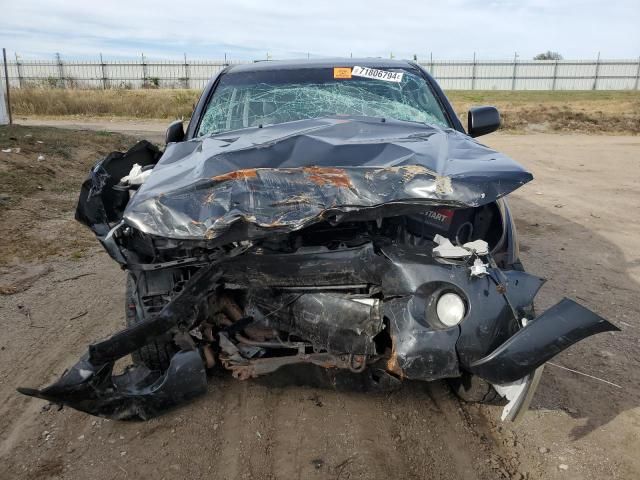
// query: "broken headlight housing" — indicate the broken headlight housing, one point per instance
point(450, 309)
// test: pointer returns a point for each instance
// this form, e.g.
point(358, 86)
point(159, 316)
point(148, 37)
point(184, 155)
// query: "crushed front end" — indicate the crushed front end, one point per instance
point(377, 260)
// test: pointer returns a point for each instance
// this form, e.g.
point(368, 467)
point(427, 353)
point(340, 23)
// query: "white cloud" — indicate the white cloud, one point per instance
point(251, 28)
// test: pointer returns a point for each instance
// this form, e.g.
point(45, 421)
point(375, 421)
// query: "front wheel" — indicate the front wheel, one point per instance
point(157, 354)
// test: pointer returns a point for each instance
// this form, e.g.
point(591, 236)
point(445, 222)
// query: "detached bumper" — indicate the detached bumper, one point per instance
point(541, 339)
point(136, 394)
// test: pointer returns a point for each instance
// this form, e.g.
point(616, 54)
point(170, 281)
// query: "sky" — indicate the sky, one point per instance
point(253, 29)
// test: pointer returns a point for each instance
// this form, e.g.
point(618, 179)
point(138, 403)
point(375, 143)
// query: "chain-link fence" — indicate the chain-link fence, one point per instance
point(510, 74)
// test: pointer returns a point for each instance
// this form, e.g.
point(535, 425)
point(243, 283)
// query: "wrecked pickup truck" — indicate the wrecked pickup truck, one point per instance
point(331, 216)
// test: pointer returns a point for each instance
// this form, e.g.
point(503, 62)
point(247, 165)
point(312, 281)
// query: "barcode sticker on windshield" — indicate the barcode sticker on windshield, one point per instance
point(377, 74)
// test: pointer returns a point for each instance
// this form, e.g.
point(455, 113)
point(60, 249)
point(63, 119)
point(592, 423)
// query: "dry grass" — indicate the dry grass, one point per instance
point(160, 104)
point(579, 111)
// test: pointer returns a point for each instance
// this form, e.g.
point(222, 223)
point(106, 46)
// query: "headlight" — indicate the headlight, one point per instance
point(450, 309)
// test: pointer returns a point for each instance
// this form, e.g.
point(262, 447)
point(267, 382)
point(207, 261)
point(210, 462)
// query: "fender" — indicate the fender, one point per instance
point(556, 329)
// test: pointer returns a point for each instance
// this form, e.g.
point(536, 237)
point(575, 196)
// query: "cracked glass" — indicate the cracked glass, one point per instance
point(251, 99)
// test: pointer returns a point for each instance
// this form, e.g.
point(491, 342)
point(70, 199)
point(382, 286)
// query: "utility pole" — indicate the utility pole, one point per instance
point(104, 73)
point(597, 73)
point(186, 72)
point(19, 70)
point(473, 73)
point(515, 71)
point(6, 83)
point(60, 70)
point(145, 80)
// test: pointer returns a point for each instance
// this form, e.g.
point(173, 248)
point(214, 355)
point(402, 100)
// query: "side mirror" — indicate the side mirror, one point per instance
point(175, 132)
point(482, 120)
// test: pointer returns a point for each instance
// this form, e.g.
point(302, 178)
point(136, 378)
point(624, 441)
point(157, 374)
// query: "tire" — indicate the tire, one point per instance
point(155, 355)
point(474, 389)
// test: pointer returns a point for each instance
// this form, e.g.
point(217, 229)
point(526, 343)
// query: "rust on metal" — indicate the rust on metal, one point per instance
point(408, 172)
point(294, 200)
point(244, 174)
point(210, 198)
point(230, 308)
point(393, 366)
point(209, 356)
point(328, 176)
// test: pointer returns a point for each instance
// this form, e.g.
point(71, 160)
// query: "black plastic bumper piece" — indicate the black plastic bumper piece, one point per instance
point(544, 337)
point(137, 394)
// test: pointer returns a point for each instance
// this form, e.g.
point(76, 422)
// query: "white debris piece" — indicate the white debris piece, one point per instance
point(446, 249)
point(479, 247)
point(136, 175)
point(478, 269)
point(6, 150)
point(40, 158)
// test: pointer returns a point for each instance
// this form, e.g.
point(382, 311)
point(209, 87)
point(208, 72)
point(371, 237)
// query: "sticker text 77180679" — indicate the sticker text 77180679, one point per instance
point(377, 74)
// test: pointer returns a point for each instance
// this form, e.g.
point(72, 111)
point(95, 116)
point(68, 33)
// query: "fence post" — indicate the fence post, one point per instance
point(473, 73)
point(431, 63)
point(6, 84)
point(515, 66)
point(595, 80)
point(186, 72)
point(144, 73)
point(103, 68)
point(19, 69)
point(637, 76)
point(555, 75)
point(60, 71)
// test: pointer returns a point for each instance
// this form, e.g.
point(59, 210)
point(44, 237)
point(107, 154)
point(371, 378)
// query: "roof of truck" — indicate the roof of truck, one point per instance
point(319, 63)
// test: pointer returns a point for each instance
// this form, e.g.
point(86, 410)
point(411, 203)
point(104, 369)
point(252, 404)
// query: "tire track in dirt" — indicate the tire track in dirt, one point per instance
point(30, 359)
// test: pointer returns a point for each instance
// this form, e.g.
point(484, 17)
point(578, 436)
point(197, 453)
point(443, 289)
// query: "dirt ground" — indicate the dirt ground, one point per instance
point(579, 224)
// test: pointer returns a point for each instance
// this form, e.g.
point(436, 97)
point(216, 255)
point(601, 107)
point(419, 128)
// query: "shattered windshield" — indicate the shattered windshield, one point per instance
point(250, 99)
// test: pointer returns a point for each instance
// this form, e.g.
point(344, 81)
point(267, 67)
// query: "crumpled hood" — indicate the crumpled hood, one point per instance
point(250, 183)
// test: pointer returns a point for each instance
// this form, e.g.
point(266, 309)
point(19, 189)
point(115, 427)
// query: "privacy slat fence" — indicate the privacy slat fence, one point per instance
point(452, 75)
